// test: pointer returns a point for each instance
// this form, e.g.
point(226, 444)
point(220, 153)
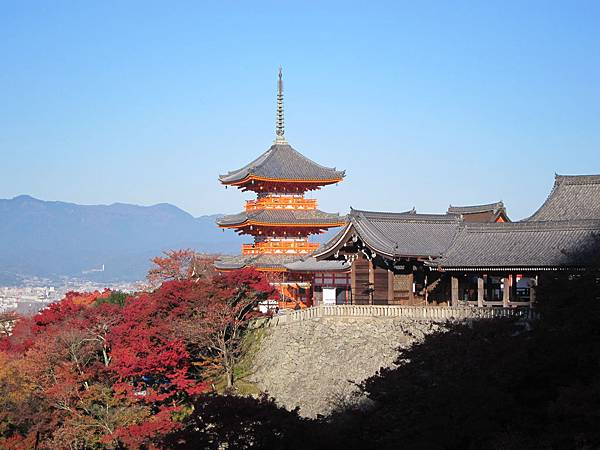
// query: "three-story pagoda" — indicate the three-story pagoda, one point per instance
point(280, 219)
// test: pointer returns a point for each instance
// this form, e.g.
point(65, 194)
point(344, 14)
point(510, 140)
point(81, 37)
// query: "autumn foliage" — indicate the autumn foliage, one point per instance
point(183, 264)
point(105, 370)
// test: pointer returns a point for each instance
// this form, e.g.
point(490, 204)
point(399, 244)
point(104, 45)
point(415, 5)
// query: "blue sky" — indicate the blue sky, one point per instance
point(423, 103)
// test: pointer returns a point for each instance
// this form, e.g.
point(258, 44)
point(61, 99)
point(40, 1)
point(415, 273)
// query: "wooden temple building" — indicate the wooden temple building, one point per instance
point(493, 212)
point(470, 255)
point(280, 219)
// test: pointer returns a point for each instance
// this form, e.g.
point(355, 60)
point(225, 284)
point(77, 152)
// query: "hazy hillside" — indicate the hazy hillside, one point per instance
point(56, 238)
point(53, 239)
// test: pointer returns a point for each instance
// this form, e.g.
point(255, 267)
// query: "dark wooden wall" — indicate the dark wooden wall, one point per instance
point(380, 282)
point(387, 288)
point(360, 281)
point(403, 288)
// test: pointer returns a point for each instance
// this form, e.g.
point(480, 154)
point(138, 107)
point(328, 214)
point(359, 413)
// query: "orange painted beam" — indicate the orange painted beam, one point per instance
point(290, 225)
point(283, 202)
point(279, 248)
point(282, 180)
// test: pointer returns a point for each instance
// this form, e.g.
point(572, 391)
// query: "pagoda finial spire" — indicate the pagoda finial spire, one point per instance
point(279, 124)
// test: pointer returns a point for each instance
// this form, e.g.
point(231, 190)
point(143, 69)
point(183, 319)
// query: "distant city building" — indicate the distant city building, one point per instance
point(36, 294)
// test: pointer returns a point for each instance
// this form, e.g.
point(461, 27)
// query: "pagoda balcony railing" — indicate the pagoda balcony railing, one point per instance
point(281, 203)
point(279, 248)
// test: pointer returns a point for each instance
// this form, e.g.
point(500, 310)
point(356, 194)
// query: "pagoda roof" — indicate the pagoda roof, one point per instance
point(295, 217)
point(521, 245)
point(572, 197)
point(281, 162)
point(395, 235)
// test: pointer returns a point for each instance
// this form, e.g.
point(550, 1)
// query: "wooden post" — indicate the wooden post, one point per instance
point(426, 293)
point(513, 288)
point(390, 294)
point(371, 281)
point(506, 291)
point(480, 291)
point(454, 281)
point(353, 286)
point(533, 282)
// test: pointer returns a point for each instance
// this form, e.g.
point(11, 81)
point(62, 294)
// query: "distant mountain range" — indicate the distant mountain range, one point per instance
point(52, 239)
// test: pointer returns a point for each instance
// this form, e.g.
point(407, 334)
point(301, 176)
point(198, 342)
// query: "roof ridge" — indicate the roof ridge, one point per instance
point(570, 196)
point(420, 218)
point(251, 164)
point(499, 202)
point(282, 161)
point(540, 225)
point(521, 245)
point(292, 211)
point(313, 162)
point(459, 229)
point(483, 207)
point(548, 197)
point(334, 241)
point(412, 211)
point(303, 217)
point(577, 179)
point(378, 232)
point(269, 154)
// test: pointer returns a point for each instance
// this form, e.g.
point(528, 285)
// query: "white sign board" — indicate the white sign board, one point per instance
point(329, 296)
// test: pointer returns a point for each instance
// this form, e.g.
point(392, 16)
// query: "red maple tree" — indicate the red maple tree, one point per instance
point(108, 370)
point(177, 265)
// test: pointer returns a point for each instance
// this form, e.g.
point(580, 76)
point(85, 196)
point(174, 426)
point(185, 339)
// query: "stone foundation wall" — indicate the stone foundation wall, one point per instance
point(314, 364)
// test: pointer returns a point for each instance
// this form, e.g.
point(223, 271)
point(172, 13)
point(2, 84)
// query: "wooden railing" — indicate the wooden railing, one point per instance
point(428, 313)
point(279, 248)
point(281, 203)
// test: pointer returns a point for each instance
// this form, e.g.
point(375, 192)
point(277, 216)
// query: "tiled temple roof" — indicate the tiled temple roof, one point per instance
point(281, 217)
point(573, 197)
point(257, 261)
point(559, 235)
point(521, 245)
point(311, 264)
point(480, 213)
point(406, 234)
point(282, 162)
point(293, 263)
point(474, 209)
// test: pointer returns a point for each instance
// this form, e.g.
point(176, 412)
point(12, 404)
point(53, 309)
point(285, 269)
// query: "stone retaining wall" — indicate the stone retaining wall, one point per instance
point(314, 364)
point(313, 358)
